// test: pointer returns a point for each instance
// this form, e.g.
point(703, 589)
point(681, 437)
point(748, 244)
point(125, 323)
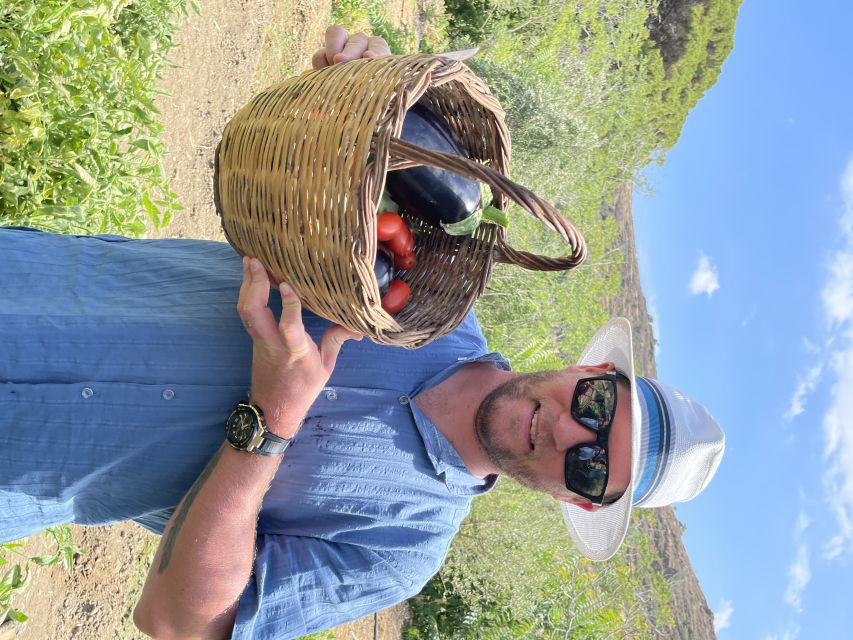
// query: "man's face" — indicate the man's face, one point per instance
point(526, 426)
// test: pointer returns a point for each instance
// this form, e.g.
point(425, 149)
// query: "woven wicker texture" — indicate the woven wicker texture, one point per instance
point(300, 170)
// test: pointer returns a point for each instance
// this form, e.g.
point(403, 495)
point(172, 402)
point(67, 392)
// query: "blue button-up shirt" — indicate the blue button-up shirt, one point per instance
point(119, 360)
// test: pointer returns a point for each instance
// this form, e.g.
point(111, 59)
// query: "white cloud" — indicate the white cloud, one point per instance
point(833, 547)
point(805, 385)
point(837, 297)
point(799, 573)
point(790, 633)
point(704, 279)
point(838, 292)
point(723, 615)
point(810, 346)
point(838, 450)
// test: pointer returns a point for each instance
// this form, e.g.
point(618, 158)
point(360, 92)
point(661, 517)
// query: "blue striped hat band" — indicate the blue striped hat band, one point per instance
point(655, 439)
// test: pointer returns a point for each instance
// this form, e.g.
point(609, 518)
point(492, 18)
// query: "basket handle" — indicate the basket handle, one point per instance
point(529, 201)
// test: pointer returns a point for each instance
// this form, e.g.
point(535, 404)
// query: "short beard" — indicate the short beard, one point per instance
point(489, 416)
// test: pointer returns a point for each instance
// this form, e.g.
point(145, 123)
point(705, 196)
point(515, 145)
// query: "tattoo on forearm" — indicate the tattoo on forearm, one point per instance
point(184, 509)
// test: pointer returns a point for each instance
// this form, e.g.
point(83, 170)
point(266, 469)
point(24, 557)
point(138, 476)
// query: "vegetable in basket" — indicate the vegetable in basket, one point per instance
point(394, 234)
point(384, 271)
point(437, 196)
point(397, 297)
point(395, 237)
point(395, 292)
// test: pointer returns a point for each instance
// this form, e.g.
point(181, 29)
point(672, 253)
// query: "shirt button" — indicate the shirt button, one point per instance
point(168, 394)
point(404, 399)
point(87, 393)
point(331, 394)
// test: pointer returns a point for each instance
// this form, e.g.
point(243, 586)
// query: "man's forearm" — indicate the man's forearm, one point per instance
point(205, 555)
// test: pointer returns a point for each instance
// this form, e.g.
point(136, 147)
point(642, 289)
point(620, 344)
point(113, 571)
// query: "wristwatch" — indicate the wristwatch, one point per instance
point(246, 430)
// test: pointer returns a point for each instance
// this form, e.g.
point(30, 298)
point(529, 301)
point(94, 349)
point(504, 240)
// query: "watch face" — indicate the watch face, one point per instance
point(241, 428)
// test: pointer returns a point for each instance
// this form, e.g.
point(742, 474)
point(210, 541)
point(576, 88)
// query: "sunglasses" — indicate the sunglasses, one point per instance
point(594, 407)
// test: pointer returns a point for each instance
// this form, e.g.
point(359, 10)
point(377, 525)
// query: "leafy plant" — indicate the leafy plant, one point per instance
point(16, 577)
point(78, 133)
point(320, 635)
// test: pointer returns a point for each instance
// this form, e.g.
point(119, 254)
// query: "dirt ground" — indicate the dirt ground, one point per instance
point(223, 56)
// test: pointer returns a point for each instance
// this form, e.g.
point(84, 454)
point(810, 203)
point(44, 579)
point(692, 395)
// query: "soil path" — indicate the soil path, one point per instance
point(221, 57)
point(216, 58)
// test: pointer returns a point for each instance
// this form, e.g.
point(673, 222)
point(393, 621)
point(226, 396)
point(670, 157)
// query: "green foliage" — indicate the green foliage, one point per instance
point(369, 16)
point(585, 88)
point(321, 635)
point(435, 23)
point(558, 310)
point(697, 69)
point(512, 573)
point(17, 573)
point(477, 21)
point(78, 135)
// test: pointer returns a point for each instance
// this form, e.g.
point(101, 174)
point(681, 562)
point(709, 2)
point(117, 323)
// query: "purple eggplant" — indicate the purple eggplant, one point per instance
point(383, 269)
point(439, 197)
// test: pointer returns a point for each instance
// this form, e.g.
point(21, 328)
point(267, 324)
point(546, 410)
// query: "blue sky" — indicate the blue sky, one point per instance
point(746, 257)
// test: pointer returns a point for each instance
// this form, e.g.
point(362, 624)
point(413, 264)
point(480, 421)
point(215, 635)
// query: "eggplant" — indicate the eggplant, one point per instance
point(383, 269)
point(439, 197)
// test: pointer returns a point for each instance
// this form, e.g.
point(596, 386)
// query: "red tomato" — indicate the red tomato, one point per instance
point(396, 297)
point(402, 242)
point(405, 261)
point(388, 225)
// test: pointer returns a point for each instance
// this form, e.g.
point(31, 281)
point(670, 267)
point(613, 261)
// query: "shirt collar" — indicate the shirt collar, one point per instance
point(444, 457)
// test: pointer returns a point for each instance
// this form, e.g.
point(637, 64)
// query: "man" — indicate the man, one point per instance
point(122, 360)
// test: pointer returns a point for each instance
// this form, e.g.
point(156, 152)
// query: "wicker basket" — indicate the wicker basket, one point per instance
point(300, 170)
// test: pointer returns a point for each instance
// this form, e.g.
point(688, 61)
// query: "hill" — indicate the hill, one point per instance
point(694, 620)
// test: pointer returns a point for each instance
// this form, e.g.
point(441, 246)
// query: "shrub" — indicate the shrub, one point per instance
point(78, 133)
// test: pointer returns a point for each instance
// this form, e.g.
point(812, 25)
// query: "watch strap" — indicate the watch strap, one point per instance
point(271, 445)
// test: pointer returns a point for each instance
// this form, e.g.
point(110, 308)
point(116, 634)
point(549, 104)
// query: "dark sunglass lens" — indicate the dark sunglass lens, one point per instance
point(586, 470)
point(594, 402)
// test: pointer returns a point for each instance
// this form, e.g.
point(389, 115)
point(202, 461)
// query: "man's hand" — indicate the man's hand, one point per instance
point(341, 48)
point(288, 369)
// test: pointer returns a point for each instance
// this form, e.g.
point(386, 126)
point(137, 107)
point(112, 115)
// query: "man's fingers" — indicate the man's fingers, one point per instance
point(318, 60)
point(333, 340)
point(355, 46)
point(376, 46)
point(341, 47)
point(336, 38)
point(252, 305)
point(244, 286)
point(290, 326)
